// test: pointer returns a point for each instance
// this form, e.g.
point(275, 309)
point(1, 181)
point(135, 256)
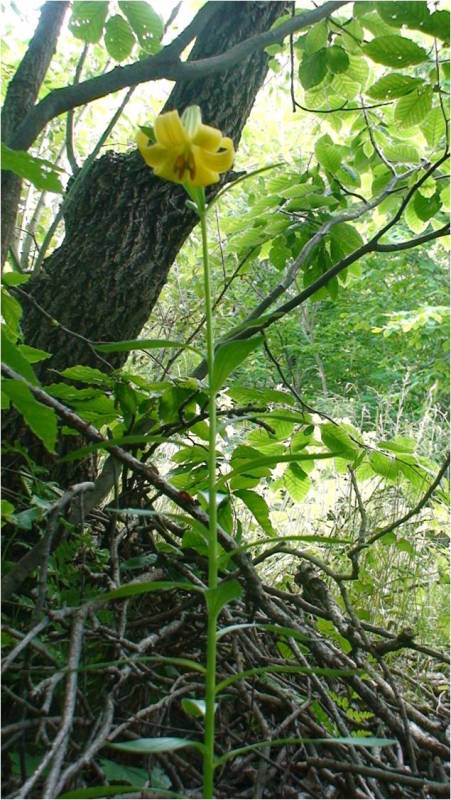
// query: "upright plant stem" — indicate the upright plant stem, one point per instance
point(210, 682)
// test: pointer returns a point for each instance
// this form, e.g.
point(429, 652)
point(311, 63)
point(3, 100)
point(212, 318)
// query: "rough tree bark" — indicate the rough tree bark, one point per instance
point(124, 227)
point(20, 98)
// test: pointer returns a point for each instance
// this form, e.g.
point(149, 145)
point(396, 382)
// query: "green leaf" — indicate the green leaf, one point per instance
point(11, 313)
point(344, 239)
point(413, 107)
point(41, 420)
point(33, 354)
point(358, 741)
point(434, 127)
point(134, 589)
point(14, 278)
point(392, 86)
point(146, 23)
point(337, 59)
point(12, 356)
point(119, 38)
point(412, 14)
point(87, 20)
point(222, 595)
point(229, 356)
point(41, 173)
point(400, 444)
point(401, 153)
point(258, 507)
point(194, 708)
point(426, 207)
point(296, 482)
point(128, 345)
point(438, 25)
point(313, 69)
point(105, 791)
point(316, 38)
point(328, 154)
point(120, 772)
point(251, 466)
point(384, 465)
point(161, 744)
point(6, 507)
point(88, 375)
point(338, 441)
point(394, 51)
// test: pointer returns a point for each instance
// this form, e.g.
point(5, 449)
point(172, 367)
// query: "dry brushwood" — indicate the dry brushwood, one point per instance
point(87, 675)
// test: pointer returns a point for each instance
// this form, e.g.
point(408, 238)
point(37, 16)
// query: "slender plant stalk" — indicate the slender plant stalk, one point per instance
point(210, 681)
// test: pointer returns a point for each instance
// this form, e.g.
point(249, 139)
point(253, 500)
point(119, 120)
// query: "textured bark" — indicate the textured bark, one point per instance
point(20, 98)
point(124, 227)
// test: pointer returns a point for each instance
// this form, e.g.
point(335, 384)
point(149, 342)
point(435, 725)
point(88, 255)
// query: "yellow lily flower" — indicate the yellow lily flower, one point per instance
point(186, 150)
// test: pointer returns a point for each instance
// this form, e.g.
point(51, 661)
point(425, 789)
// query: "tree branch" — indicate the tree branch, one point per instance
point(165, 65)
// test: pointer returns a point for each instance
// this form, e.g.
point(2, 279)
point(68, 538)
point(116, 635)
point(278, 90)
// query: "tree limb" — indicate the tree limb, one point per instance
point(165, 65)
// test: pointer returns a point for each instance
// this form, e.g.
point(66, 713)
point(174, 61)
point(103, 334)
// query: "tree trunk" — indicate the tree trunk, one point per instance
point(124, 227)
point(20, 97)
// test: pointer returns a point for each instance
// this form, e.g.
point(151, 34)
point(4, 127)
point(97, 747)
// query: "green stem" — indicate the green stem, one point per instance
point(210, 681)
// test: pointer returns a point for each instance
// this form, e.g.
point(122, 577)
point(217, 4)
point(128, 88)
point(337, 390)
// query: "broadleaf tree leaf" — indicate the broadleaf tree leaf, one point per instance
point(41, 419)
point(393, 86)
point(12, 356)
point(313, 69)
point(87, 20)
point(229, 356)
point(41, 173)
point(411, 14)
point(258, 507)
point(145, 22)
point(119, 38)
point(337, 59)
point(395, 51)
point(413, 107)
point(338, 441)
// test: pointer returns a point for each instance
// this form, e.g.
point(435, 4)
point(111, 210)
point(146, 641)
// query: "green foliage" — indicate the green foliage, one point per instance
point(42, 173)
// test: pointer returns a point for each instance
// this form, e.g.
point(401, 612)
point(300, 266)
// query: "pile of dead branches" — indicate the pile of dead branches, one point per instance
point(85, 676)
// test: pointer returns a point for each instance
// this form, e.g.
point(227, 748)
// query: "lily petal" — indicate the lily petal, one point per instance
point(222, 161)
point(203, 174)
point(169, 131)
point(208, 138)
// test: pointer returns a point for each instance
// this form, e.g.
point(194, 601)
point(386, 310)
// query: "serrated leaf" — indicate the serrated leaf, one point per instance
point(87, 375)
point(393, 86)
point(229, 356)
point(33, 354)
point(413, 107)
point(395, 51)
point(337, 59)
point(438, 25)
point(296, 482)
point(145, 22)
point(410, 13)
point(338, 441)
point(119, 38)
point(313, 68)
point(41, 419)
point(258, 507)
point(161, 744)
point(12, 356)
point(434, 127)
point(87, 20)
point(384, 465)
point(329, 154)
point(401, 153)
point(400, 444)
point(344, 239)
point(120, 772)
point(316, 38)
point(41, 173)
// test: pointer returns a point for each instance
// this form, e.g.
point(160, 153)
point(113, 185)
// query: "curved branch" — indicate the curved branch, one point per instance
point(165, 65)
